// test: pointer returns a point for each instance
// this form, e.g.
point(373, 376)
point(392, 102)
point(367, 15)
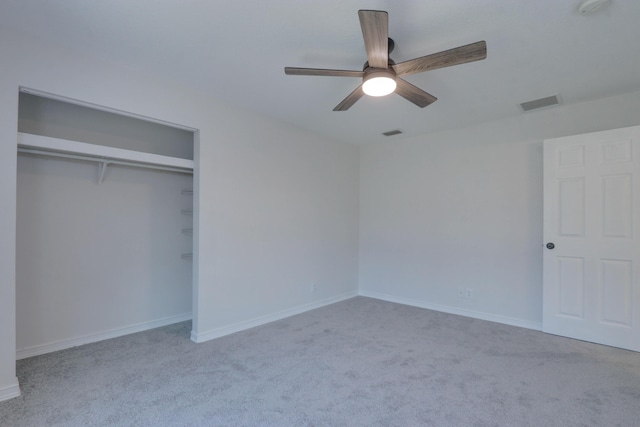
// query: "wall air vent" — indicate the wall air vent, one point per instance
point(392, 132)
point(536, 104)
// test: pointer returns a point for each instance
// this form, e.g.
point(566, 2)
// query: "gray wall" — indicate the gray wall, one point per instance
point(276, 209)
point(463, 209)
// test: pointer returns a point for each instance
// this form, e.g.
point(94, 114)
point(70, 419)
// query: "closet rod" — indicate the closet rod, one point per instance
point(103, 160)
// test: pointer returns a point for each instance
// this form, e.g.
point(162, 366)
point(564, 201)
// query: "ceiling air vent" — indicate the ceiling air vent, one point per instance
point(587, 7)
point(392, 132)
point(549, 101)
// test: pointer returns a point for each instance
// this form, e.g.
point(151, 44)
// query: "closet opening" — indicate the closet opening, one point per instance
point(104, 229)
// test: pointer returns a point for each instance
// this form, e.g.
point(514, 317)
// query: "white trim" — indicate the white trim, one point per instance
point(536, 326)
point(258, 321)
point(113, 333)
point(10, 391)
point(58, 145)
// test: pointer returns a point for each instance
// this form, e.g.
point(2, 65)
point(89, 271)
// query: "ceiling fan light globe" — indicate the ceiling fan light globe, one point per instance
point(378, 82)
point(379, 86)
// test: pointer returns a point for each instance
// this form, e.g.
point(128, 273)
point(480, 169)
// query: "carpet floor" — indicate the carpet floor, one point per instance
point(360, 362)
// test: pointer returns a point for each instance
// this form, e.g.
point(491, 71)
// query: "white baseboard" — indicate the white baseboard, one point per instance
point(252, 323)
point(105, 335)
point(10, 391)
point(454, 310)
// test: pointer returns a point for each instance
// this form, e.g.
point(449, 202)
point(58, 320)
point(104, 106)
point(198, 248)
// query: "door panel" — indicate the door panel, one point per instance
point(592, 214)
point(617, 211)
point(615, 287)
point(571, 286)
point(571, 207)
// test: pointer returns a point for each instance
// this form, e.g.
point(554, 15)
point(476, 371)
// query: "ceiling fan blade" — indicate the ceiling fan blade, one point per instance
point(350, 99)
point(321, 72)
point(459, 55)
point(375, 31)
point(414, 94)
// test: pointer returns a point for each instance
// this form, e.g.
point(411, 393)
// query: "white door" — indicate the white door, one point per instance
point(591, 247)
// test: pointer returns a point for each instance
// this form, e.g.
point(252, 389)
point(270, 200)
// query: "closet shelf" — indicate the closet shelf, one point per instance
point(104, 155)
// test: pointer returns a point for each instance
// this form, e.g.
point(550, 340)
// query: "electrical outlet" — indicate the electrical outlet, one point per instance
point(313, 288)
point(466, 293)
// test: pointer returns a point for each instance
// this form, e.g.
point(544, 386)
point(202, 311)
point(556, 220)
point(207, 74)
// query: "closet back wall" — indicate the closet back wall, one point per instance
point(57, 119)
point(94, 261)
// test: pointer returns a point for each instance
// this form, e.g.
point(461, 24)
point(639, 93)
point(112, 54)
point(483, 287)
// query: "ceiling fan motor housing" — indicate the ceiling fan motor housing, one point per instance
point(371, 72)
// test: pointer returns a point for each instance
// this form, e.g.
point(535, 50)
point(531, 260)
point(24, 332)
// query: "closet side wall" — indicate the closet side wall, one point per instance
point(8, 121)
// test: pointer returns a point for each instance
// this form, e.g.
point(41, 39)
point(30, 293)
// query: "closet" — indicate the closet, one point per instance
point(104, 224)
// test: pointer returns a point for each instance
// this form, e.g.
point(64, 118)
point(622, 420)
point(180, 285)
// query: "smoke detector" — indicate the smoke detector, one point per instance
point(587, 7)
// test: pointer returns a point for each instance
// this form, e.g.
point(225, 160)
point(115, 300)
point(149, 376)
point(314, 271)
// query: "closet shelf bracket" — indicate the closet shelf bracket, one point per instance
point(102, 170)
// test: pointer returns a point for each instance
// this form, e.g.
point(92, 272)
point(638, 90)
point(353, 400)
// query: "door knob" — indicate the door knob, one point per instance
point(550, 245)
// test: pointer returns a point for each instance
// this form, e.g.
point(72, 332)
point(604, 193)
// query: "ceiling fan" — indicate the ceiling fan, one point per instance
point(381, 75)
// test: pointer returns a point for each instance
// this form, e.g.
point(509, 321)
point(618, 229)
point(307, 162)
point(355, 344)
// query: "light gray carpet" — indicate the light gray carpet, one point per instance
point(360, 362)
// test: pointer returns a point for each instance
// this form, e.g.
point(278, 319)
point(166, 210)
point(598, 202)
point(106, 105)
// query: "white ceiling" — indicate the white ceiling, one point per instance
point(236, 51)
